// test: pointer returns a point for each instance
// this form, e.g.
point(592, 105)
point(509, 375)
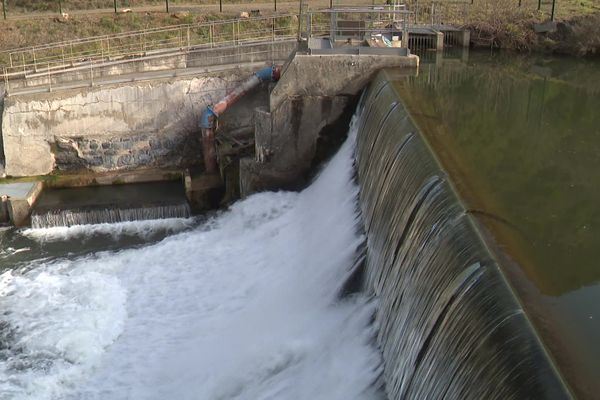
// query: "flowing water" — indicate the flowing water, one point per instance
point(110, 204)
point(243, 305)
point(450, 326)
point(255, 302)
point(520, 137)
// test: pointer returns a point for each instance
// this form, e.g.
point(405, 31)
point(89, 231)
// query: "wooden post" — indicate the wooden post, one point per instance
point(539, 5)
point(553, 9)
point(167, 5)
point(60, 7)
point(275, 3)
point(220, 5)
point(4, 8)
point(115, 4)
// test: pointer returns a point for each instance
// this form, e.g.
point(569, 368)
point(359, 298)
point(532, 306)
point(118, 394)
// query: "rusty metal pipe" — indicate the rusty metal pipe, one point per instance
point(209, 118)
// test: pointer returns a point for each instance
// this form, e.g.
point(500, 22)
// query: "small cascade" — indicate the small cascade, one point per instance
point(99, 215)
point(110, 204)
point(450, 326)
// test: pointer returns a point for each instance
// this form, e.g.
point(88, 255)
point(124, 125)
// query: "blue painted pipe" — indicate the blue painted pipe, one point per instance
point(210, 115)
point(208, 119)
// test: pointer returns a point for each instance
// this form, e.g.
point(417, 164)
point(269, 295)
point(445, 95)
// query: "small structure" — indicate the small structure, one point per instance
point(372, 30)
point(17, 200)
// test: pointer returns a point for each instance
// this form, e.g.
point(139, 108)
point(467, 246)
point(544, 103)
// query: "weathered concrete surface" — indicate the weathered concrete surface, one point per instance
point(332, 75)
point(129, 126)
point(310, 106)
point(18, 198)
point(2, 97)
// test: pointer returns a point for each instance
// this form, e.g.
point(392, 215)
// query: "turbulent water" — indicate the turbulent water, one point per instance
point(243, 306)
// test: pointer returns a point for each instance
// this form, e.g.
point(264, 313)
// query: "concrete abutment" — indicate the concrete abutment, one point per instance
point(315, 96)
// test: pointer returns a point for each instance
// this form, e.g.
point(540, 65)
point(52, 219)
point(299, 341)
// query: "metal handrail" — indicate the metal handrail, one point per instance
point(43, 63)
point(99, 47)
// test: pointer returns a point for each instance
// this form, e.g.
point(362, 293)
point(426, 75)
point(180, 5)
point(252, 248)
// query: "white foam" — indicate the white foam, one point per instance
point(244, 307)
point(137, 228)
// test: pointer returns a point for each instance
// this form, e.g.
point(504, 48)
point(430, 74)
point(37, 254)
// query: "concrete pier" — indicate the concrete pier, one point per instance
point(17, 200)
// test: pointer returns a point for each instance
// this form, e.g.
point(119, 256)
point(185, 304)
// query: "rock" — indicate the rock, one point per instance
point(64, 18)
point(181, 15)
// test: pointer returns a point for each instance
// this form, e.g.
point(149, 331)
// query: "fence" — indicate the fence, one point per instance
point(460, 12)
point(15, 8)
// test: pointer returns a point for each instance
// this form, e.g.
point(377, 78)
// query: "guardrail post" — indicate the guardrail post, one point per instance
point(49, 78)
point(91, 74)
point(188, 37)
point(34, 61)
point(10, 59)
point(211, 34)
point(6, 87)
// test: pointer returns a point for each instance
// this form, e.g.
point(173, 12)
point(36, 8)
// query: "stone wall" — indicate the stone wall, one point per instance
point(129, 126)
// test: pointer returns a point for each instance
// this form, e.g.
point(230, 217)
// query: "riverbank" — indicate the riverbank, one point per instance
point(524, 31)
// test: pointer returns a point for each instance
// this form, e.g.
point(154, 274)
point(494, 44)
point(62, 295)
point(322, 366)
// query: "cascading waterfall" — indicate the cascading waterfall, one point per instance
point(244, 306)
point(49, 218)
point(450, 327)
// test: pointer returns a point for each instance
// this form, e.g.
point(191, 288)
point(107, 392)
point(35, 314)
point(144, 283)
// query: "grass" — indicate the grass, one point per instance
point(508, 25)
point(494, 23)
point(45, 6)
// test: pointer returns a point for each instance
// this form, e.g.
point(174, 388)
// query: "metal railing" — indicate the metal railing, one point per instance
point(36, 59)
point(351, 23)
point(89, 61)
point(42, 63)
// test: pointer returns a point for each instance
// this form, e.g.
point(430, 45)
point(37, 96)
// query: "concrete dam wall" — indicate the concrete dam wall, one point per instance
point(119, 127)
point(449, 324)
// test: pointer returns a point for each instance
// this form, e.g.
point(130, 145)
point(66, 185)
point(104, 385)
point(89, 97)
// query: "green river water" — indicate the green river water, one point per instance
point(520, 137)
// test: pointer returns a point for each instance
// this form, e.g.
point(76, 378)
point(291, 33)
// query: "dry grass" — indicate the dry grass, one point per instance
point(579, 36)
point(505, 24)
point(29, 6)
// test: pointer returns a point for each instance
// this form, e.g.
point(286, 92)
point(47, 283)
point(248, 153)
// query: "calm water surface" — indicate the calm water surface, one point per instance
point(520, 137)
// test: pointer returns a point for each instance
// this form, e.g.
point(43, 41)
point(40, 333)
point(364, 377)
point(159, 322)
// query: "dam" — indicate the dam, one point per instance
point(375, 279)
